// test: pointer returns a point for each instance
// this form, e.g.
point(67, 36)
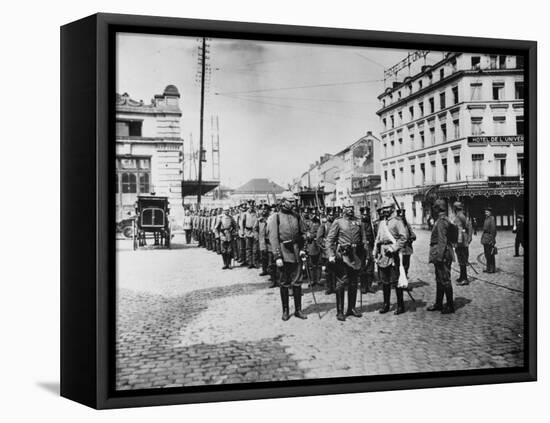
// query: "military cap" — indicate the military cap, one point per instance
point(440, 205)
point(458, 205)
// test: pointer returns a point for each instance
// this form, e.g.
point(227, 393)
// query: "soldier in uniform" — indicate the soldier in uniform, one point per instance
point(322, 233)
point(518, 230)
point(251, 236)
point(390, 241)
point(226, 228)
point(286, 238)
point(261, 230)
point(367, 269)
point(272, 268)
point(346, 251)
point(312, 248)
point(488, 240)
point(411, 237)
point(241, 230)
point(441, 255)
point(463, 241)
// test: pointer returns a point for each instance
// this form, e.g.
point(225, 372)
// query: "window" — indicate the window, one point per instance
point(385, 150)
point(129, 183)
point(455, 95)
point(502, 62)
point(399, 95)
point(500, 163)
point(392, 121)
point(476, 126)
point(413, 205)
point(384, 102)
point(392, 147)
point(432, 105)
point(422, 139)
point(457, 168)
point(133, 175)
point(498, 90)
point(500, 125)
point(519, 90)
point(432, 170)
point(430, 78)
point(444, 164)
point(475, 91)
point(411, 112)
point(400, 117)
point(477, 166)
point(443, 133)
point(456, 129)
point(386, 176)
point(411, 137)
point(413, 170)
point(400, 145)
point(493, 62)
point(521, 168)
point(423, 173)
point(384, 123)
point(476, 61)
point(401, 177)
point(519, 62)
point(442, 101)
point(421, 107)
point(420, 84)
point(128, 128)
point(441, 73)
point(519, 125)
point(410, 86)
point(393, 177)
point(432, 136)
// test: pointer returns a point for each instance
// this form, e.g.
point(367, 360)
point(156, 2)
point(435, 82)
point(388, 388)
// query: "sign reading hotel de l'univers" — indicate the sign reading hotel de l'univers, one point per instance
point(496, 140)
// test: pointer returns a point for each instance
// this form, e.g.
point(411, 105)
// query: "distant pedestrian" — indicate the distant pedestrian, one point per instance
point(187, 226)
point(518, 230)
point(488, 240)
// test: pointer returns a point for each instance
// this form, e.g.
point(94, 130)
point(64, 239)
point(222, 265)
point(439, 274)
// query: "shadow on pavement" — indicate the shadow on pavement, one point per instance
point(51, 387)
point(461, 302)
point(319, 308)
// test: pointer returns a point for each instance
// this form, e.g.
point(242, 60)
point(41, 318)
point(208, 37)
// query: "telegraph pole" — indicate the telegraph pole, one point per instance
point(203, 67)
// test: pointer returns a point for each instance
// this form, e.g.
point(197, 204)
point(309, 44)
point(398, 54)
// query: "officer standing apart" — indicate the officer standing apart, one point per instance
point(488, 240)
point(285, 236)
point(441, 255)
point(518, 230)
point(346, 251)
point(187, 226)
point(464, 238)
point(390, 241)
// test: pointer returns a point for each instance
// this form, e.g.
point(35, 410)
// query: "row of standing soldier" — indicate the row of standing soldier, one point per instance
point(344, 245)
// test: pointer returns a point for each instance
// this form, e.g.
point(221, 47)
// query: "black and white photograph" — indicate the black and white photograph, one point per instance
point(292, 211)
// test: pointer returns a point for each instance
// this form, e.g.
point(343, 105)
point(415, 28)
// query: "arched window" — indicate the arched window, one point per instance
point(129, 183)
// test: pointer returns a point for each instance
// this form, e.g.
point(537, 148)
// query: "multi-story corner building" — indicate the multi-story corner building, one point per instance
point(148, 150)
point(455, 131)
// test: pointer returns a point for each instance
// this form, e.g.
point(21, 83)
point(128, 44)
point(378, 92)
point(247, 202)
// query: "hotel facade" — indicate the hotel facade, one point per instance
point(455, 131)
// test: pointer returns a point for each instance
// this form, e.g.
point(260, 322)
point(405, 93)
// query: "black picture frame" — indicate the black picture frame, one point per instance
point(87, 212)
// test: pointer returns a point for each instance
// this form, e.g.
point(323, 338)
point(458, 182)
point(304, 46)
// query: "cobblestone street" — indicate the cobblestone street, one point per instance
point(182, 320)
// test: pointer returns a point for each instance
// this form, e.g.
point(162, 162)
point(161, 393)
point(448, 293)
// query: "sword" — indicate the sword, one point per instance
point(306, 268)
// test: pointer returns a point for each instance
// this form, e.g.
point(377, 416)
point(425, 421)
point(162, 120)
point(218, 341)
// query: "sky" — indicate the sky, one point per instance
point(280, 106)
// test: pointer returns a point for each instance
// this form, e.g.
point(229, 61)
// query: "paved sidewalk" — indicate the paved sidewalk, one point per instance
point(183, 321)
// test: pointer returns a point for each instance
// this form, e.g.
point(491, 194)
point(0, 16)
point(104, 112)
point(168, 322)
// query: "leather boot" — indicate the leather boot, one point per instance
point(386, 291)
point(450, 306)
point(364, 287)
point(284, 302)
point(352, 298)
point(330, 283)
point(298, 303)
point(224, 258)
point(463, 277)
point(438, 305)
point(340, 305)
point(400, 303)
point(264, 265)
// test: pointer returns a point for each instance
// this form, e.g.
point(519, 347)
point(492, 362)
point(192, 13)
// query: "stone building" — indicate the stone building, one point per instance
point(455, 131)
point(148, 150)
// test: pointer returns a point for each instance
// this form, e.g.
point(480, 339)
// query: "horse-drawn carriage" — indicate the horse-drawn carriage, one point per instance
point(152, 221)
